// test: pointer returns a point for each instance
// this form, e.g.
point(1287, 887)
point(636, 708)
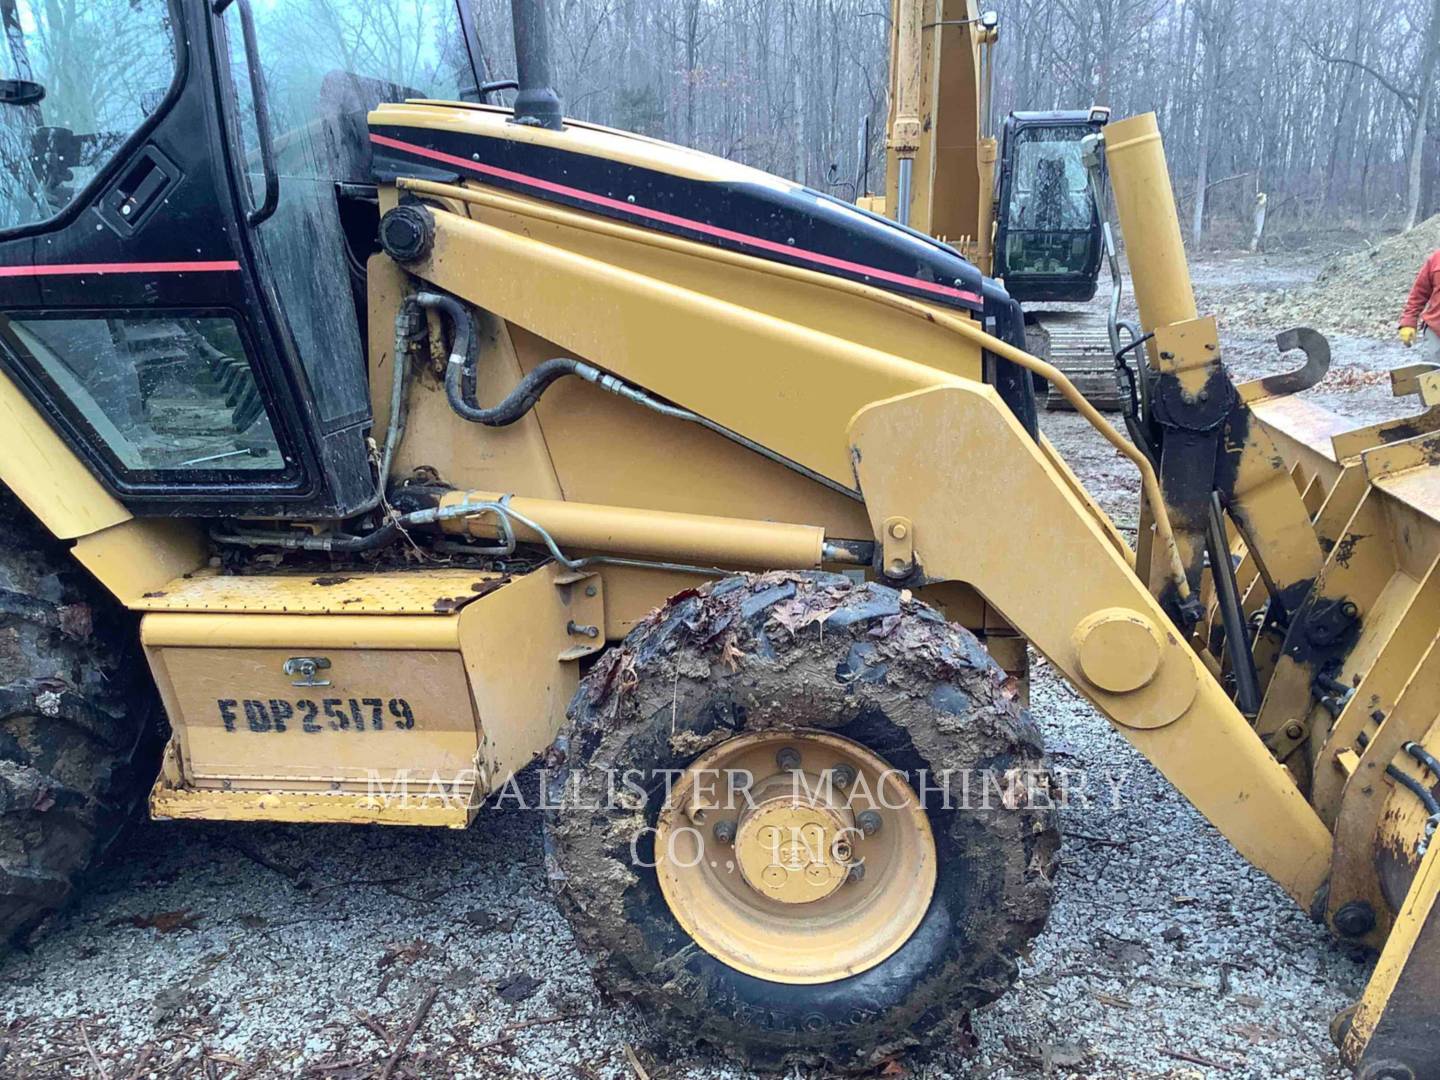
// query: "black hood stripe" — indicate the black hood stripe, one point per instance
point(662, 219)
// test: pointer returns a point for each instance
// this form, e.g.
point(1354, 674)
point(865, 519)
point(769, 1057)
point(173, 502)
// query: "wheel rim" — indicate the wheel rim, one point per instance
point(756, 849)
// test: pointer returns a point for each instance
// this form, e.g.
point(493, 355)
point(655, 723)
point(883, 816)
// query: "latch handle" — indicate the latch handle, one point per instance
point(307, 667)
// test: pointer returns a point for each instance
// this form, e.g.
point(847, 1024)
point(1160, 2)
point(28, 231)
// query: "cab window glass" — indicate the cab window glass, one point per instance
point(326, 64)
point(1050, 212)
point(83, 77)
point(162, 393)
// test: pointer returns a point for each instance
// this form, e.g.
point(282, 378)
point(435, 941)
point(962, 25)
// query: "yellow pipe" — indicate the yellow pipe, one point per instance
point(986, 154)
point(963, 327)
point(656, 534)
point(1145, 206)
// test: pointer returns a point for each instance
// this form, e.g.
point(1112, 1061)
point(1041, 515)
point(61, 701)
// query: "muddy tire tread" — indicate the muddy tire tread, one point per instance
point(79, 732)
point(687, 648)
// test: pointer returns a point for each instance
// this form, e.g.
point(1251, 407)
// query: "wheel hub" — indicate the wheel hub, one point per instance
point(791, 849)
point(796, 856)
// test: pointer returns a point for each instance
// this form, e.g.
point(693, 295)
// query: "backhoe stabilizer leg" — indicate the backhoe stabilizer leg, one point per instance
point(998, 516)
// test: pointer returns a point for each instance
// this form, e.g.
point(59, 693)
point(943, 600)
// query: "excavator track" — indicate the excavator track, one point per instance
point(1078, 343)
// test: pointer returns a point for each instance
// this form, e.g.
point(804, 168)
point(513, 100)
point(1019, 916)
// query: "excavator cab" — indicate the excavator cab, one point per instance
point(1047, 239)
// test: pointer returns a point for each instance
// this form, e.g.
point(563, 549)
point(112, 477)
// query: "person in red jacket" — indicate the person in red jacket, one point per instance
point(1421, 317)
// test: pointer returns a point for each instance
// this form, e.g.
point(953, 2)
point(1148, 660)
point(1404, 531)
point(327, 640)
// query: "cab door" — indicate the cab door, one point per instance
point(133, 312)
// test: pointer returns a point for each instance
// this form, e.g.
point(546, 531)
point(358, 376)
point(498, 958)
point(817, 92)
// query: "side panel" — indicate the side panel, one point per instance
point(686, 344)
point(243, 723)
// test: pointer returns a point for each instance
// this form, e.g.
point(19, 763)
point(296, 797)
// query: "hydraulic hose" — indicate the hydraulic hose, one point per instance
point(460, 370)
point(520, 400)
point(462, 324)
point(408, 325)
point(386, 534)
point(1420, 754)
point(1416, 787)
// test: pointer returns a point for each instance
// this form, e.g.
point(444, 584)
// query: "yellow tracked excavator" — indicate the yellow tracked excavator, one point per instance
point(1020, 206)
point(390, 441)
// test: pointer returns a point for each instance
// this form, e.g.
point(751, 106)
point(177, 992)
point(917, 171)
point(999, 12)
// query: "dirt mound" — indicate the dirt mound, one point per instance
point(1360, 293)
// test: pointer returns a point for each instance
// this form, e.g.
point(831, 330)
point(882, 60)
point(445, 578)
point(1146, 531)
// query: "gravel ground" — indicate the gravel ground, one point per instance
point(229, 951)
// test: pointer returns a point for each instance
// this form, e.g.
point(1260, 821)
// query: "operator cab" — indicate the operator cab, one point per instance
point(182, 253)
point(1047, 240)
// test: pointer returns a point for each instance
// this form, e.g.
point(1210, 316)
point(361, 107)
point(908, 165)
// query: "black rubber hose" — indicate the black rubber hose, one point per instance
point(460, 370)
point(1420, 754)
point(463, 350)
point(1421, 792)
point(520, 400)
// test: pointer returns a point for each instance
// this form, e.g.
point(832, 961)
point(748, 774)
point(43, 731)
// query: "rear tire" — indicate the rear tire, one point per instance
point(78, 742)
point(812, 651)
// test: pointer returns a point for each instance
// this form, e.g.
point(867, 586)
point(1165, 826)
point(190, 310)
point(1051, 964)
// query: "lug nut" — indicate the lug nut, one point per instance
point(869, 822)
point(724, 831)
point(855, 874)
point(843, 775)
point(788, 758)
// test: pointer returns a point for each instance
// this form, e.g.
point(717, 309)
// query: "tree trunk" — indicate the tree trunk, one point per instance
point(1207, 126)
point(797, 93)
point(1257, 234)
point(1425, 88)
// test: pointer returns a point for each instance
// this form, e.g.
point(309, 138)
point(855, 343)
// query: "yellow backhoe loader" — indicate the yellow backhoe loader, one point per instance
point(390, 444)
point(1020, 206)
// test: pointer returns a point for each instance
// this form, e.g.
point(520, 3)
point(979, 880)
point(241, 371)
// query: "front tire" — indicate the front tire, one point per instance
point(751, 657)
point(77, 735)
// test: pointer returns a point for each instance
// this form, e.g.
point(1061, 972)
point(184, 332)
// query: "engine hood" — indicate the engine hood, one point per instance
point(671, 189)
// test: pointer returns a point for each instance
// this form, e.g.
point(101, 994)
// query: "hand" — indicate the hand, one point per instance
point(1407, 336)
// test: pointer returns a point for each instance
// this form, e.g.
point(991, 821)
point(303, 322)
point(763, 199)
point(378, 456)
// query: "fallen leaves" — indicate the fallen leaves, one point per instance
point(485, 921)
point(163, 922)
point(518, 987)
point(403, 951)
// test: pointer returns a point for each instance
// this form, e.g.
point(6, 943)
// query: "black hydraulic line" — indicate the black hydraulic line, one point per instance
point(1135, 344)
point(1232, 615)
point(382, 537)
point(460, 371)
point(1130, 380)
point(462, 352)
point(1418, 789)
point(1420, 754)
point(520, 400)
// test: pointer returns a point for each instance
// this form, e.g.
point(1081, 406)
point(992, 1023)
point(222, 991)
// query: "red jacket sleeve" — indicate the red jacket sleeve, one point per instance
point(1420, 291)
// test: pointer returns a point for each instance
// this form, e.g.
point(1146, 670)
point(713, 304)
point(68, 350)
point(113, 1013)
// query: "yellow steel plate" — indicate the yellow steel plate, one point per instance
point(305, 807)
point(395, 592)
